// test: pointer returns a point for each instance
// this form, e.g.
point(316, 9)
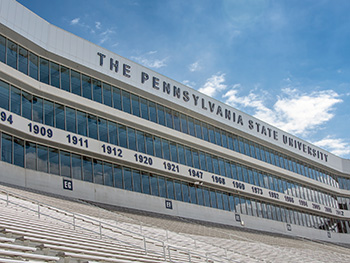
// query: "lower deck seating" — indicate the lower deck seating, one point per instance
point(52, 233)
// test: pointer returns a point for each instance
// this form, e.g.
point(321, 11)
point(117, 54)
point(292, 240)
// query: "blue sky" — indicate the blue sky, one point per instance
point(284, 62)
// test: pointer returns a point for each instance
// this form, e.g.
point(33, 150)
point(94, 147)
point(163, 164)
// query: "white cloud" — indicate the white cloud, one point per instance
point(98, 25)
point(194, 67)
point(294, 112)
point(189, 83)
point(213, 85)
point(148, 60)
point(336, 146)
point(75, 21)
point(105, 35)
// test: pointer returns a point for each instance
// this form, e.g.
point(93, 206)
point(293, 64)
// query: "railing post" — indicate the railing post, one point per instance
point(38, 210)
point(206, 256)
point(169, 253)
point(7, 198)
point(189, 256)
point(167, 236)
point(164, 251)
point(195, 243)
point(144, 244)
point(74, 221)
point(226, 252)
point(100, 226)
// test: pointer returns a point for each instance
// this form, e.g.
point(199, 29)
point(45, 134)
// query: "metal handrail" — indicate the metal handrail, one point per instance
point(101, 225)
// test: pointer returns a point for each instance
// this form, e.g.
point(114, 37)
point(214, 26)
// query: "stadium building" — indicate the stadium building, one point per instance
point(80, 121)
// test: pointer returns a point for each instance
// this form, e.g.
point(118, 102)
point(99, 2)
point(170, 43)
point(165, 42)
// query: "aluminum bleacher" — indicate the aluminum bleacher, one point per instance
point(62, 230)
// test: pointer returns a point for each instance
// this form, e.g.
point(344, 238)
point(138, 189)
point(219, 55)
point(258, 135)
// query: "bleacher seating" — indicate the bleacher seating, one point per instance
point(63, 230)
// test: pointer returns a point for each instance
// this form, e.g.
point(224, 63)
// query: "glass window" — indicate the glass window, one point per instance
point(31, 155)
point(4, 95)
point(43, 159)
point(131, 139)
point(98, 172)
point(107, 95)
point(18, 152)
point(219, 199)
point(234, 171)
point(210, 163)
point(33, 66)
point(195, 159)
point(54, 161)
point(166, 149)
point(206, 196)
point(49, 116)
point(218, 137)
point(224, 139)
point(82, 123)
point(173, 152)
point(170, 188)
point(65, 164)
point(191, 128)
point(185, 192)
point(23, 60)
point(92, 123)
point(177, 124)
point(181, 151)
point(211, 134)
point(86, 84)
point(117, 100)
point(11, 54)
point(75, 82)
point(2, 49)
point(44, 70)
point(161, 114)
point(162, 186)
point(141, 147)
point(178, 191)
point(200, 196)
point(149, 144)
point(87, 169)
point(193, 194)
point(126, 101)
point(54, 75)
point(108, 174)
point(112, 133)
point(6, 148)
point(76, 166)
point(65, 79)
point(184, 125)
point(122, 140)
point(135, 105)
point(197, 124)
point(118, 176)
point(102, 130)
point(188, 153)
point(38, 109)
point(136, 179)
point(144, 108)
point(15, 100)
point(152, 111)
point(222, 167)
point(154, 185)
point(213, 199)
point(59, 116)
point(97, 90)
point(169, 118)
point(216, 165)
point(145, 184)
point(202, 161)
point(127, 179)
point(205, 132)
point(70, 120)
point(158, 147)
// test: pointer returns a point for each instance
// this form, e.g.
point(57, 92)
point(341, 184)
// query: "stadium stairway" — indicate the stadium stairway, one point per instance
point(64, 230)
